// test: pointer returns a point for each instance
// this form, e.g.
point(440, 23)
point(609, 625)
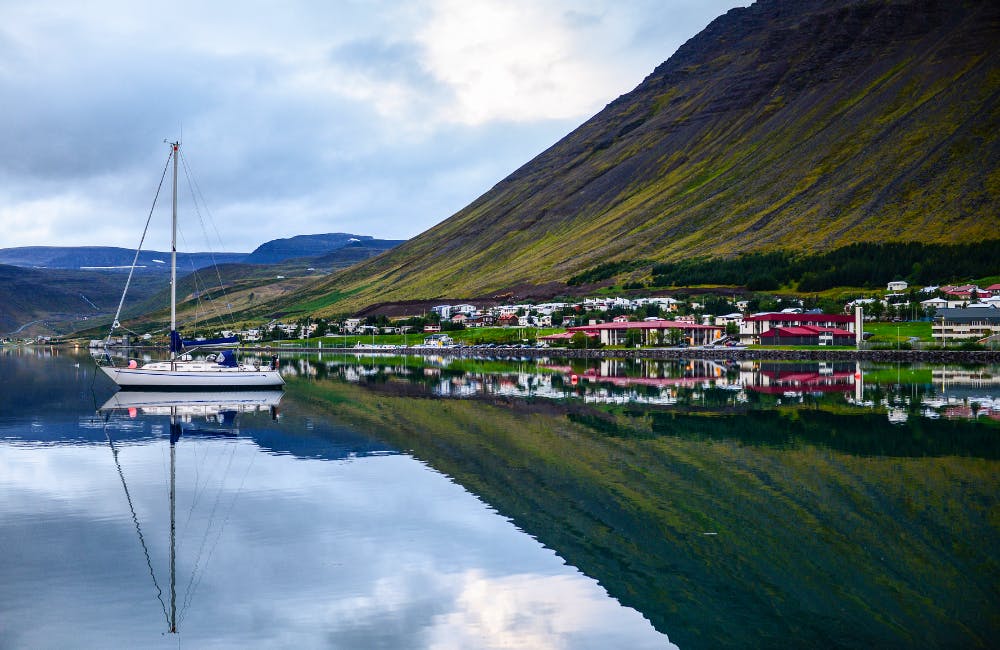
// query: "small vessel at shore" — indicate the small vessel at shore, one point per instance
point(182, 371)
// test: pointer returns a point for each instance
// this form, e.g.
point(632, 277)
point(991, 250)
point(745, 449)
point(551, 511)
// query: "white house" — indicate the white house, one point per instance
point(936, 303)
point(896, 285)
point(665, 303)
point(735, 317)
point(468, 310)
point(444, 311)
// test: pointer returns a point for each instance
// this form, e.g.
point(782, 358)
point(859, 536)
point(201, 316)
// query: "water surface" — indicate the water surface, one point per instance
point(394, 502)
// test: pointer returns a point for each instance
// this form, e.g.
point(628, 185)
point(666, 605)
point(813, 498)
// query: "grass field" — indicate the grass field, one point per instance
point(899, 332)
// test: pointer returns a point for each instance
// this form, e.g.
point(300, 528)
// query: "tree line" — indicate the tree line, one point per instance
point(856, 265)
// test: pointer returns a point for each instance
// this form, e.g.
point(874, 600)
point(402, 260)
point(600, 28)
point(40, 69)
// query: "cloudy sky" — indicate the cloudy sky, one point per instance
point(376, 118)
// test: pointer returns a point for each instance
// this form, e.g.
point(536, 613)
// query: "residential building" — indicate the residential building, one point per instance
point(652, 332)
point(954, 325)
point(807, 335)
point(964, 293)
point(444, 311)
point(666, 303)
point(896, 285)
point(735, 317)
point(935, 303)
point(753, 326)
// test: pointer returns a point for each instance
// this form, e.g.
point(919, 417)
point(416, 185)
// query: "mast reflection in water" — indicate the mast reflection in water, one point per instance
point(219, 411)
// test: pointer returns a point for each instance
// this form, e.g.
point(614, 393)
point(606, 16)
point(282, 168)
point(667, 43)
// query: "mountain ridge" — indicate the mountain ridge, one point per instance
point(270, 252)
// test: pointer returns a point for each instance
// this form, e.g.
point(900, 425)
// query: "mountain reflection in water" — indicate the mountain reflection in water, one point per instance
point(759, 504)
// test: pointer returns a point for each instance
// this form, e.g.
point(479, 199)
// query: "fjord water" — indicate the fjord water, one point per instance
point(403, 502)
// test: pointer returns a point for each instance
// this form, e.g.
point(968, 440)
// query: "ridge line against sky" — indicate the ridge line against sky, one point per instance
point(378, 118)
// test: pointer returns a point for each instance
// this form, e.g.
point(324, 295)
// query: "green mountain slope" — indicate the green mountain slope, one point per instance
point(57, 301)
point(800, 125)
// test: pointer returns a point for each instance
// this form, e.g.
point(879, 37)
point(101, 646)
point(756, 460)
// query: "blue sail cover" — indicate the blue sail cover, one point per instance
point(176, 345)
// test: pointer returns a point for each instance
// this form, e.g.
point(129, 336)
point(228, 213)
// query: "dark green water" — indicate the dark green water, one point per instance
point(406, 503)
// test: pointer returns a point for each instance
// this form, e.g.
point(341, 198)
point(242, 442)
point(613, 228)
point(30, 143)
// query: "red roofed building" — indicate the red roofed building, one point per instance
point(806, 335)
point(969, 292)
point(753, 326)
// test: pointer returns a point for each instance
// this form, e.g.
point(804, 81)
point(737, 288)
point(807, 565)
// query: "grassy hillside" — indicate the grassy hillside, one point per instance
point(57, 301)
point(783, 126)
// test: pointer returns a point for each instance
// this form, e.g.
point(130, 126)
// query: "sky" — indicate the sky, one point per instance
point(374, 118)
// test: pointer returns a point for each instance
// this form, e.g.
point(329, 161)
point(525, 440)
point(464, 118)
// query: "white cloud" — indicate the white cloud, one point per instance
point(509, 60)
point(301, 117)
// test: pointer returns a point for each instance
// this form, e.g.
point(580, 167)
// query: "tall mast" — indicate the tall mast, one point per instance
point(173, 249)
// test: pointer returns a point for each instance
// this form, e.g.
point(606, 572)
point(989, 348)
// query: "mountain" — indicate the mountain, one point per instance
point(92, 257)
point(802, 125)
point(56, 301)
point(56, 290)
point(279, 250)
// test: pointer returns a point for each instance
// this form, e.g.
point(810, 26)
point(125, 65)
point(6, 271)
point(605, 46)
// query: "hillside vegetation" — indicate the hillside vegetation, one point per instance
point(57, 301)
point(798, 126)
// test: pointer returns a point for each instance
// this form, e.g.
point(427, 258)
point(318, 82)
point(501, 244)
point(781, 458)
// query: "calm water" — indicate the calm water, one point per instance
point(407, 503)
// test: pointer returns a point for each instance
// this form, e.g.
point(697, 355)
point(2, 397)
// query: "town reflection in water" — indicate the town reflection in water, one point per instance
point(901, 391)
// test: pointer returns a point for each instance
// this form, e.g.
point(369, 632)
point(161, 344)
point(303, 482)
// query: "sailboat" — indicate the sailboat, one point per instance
point(182, 372)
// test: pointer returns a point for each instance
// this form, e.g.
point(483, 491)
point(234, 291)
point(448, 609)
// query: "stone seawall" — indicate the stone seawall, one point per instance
point(735, 354)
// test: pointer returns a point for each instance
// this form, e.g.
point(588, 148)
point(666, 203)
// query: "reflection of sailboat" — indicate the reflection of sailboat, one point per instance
point(223, 406)
point(180, 403)
point(182, 371)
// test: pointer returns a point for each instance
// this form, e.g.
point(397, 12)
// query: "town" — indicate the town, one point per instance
point(957, 314)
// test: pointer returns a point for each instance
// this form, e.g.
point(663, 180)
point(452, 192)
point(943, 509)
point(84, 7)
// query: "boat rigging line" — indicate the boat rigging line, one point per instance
point(114, 322)
point(135, 518)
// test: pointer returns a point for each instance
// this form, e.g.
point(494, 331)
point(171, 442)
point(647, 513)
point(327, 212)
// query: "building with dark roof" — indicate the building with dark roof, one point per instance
point(970, 324)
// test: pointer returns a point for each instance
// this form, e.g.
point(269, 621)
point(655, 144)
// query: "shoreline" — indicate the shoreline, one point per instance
point(734, 354)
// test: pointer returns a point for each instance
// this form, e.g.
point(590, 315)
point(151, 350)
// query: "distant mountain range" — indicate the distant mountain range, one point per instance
point(54, 290)
point(279, 250)
point(800, 125)
point(107, 257)
point(272, 252)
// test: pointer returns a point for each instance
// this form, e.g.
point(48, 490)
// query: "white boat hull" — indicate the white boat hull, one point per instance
point(223, 378)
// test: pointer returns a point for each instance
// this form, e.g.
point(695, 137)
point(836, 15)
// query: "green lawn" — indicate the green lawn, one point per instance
point(899, 332)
